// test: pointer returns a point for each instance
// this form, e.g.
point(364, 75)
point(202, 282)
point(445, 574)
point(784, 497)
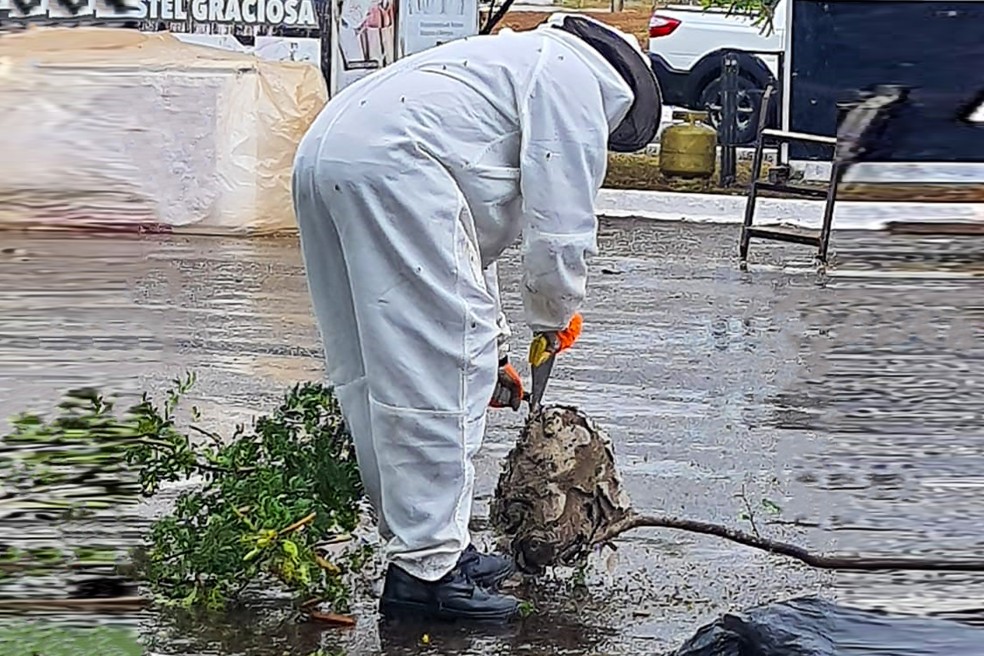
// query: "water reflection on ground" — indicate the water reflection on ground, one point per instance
point(852, 401)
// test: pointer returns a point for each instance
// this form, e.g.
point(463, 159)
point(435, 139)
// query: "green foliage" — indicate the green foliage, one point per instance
point(72, 465)
point(268, 497)
point(771, 507)
point(52, 639)
point(748, 514)
point(762, 12)
point(580, 578)
point(41, 560)
point(264, 497)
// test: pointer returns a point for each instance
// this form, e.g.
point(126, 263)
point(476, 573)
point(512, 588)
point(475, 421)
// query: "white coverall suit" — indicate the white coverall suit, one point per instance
point(407, 188)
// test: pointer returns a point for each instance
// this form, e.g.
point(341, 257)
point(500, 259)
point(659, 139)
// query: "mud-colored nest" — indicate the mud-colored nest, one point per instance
point(559, 491)
point(560, 495)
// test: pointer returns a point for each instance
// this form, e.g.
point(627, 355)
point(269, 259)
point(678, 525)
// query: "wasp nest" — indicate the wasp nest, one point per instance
point(559, 490)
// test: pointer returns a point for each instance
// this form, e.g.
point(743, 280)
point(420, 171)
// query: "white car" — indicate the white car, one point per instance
point(686, 46)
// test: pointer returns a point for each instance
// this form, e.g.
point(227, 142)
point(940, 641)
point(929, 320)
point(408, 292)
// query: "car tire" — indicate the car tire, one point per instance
point(749, 97)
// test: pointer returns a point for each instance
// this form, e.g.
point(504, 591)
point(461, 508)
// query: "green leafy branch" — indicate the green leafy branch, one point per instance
point(264, 499)
point(762, 12)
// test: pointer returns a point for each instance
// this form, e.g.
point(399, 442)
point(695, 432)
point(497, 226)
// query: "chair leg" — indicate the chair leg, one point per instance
point(750, 203)
point(836, 173)
point(756, 168)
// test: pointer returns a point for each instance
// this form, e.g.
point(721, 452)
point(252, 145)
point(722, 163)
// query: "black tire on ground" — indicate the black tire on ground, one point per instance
point(749, 97)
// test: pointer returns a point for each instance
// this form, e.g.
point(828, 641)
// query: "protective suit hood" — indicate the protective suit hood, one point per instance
point(638, 126)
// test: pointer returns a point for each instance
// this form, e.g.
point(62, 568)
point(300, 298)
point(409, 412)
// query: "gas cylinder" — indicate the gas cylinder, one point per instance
point(688, 149)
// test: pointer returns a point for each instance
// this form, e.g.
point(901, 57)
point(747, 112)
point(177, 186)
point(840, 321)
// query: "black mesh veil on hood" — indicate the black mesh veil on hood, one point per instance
point(639, 127)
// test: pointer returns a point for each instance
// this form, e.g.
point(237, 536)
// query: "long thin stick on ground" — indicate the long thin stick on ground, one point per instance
point(821, 561)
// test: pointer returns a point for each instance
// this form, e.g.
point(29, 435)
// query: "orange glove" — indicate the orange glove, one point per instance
point(569, 335)
point(546, 344)
point(508, 391)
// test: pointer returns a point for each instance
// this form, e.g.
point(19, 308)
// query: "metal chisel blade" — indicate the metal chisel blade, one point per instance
point(541, 375)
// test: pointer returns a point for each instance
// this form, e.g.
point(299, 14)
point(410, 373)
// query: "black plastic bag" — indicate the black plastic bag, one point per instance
point(815, 627)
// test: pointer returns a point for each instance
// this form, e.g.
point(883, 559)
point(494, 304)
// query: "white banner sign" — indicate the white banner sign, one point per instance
point(273, 13)
point(286, 13)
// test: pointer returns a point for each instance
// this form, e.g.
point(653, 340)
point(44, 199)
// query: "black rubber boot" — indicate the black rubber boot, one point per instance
point(487, 570)
point(454, 597)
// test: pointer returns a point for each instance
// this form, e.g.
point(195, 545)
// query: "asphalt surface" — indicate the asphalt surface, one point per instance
point(850, 401)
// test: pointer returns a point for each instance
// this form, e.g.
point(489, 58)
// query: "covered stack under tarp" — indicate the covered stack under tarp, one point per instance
point(117, 128)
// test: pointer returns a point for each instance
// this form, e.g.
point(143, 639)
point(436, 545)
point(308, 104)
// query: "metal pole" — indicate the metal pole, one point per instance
point(322, 14)
point(729, 119)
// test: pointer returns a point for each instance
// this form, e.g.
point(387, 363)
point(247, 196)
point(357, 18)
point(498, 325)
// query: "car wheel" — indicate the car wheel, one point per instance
point(749, 97)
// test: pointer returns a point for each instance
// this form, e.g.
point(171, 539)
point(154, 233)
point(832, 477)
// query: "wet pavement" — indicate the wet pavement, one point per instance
point(852, 401)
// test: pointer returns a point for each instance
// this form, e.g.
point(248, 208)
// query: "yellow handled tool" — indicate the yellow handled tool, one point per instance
point(543, 352)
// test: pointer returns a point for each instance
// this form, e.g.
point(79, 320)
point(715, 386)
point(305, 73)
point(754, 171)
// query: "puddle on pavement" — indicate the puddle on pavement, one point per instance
point(852, 400)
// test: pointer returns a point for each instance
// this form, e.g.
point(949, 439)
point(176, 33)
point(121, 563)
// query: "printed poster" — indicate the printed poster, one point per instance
point(363, 39)
point(428, 23)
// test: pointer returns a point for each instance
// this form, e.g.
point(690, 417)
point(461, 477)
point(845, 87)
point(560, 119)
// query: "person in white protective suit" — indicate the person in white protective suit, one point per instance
point(407, 188)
